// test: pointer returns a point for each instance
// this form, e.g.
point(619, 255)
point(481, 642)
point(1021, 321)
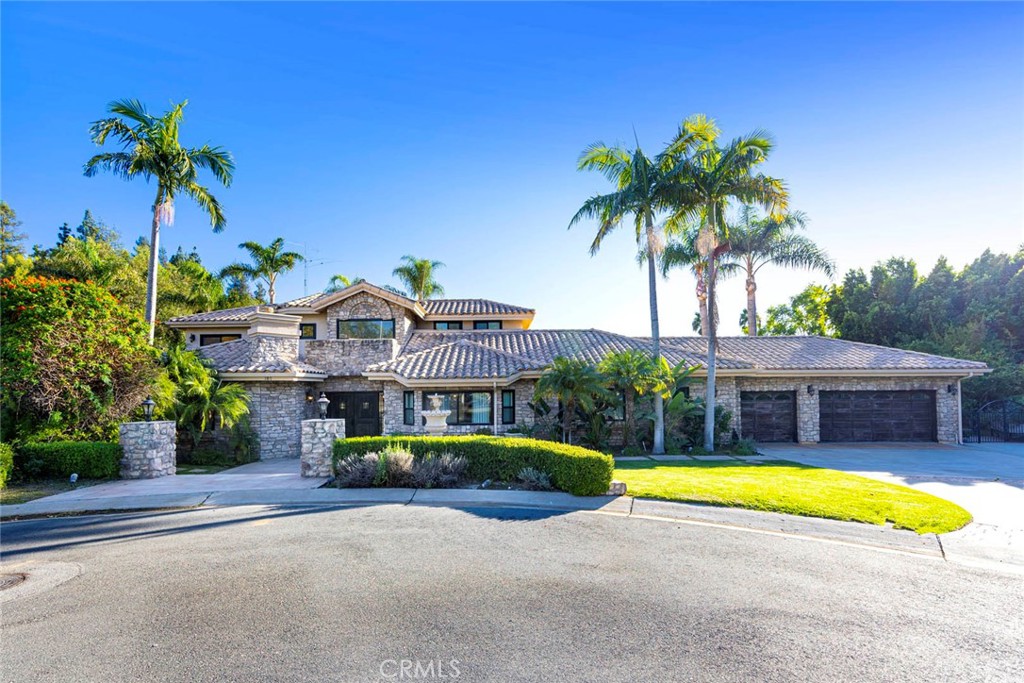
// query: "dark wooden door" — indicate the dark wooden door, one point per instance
point(359, 409)
point(877, 415)
point(768, 416)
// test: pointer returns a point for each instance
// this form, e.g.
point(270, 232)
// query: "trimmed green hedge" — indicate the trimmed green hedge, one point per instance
point(90, 459)
point(577, 470)
point(6, 463)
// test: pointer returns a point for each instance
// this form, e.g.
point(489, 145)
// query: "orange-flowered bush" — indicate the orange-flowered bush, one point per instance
point(75, 361)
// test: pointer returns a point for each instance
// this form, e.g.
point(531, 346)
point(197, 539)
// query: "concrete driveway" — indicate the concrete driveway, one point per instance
point(985, 479)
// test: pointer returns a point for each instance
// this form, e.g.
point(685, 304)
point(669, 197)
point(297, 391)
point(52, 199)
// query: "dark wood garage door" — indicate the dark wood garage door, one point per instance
point(768, 416)
point(877, 415)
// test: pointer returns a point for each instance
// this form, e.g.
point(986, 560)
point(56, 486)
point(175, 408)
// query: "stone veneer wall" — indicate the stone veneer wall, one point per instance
point(947, 405)
point(318, 437)
point(265, 348)
point(149, 449)
point(393, 407)
point(276, 411)
point(348, 357)
point(366, 305)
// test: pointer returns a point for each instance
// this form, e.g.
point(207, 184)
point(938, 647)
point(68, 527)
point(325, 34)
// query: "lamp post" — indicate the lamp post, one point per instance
point(322, 404)
point(147, 408)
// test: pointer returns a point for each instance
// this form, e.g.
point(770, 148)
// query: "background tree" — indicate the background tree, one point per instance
point(417, 275)
point(631, 372)
point(575, 384)
point(707, 180)
point(10, 238)
point(268, 262)
point(804, 314)
point(757, 242)
point(339, 282)
point(150, 148)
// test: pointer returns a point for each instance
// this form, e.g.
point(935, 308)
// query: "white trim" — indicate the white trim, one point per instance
point(272, 377)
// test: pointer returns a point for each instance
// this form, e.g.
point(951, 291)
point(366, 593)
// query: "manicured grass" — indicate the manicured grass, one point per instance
point(781, 486)
point(23, 492)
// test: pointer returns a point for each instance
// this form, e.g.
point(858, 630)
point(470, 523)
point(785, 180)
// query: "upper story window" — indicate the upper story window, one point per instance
point(487, 325)
point(448, 326)
point(369, 328)
point(307, 331)
point(205, 339)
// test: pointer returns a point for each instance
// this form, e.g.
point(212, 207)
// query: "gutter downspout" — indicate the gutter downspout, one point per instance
point(494, 405)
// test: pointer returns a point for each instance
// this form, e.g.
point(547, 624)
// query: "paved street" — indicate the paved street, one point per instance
point(346, 594)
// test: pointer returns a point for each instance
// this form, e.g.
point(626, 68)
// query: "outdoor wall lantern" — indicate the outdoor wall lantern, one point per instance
point(950, 388)
point(147, 408)
point(192, 338)
point(309, 395)
point(322, 404)
point(810, 390)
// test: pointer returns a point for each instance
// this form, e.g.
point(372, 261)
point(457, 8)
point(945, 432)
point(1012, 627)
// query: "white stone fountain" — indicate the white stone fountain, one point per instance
point(436, 417)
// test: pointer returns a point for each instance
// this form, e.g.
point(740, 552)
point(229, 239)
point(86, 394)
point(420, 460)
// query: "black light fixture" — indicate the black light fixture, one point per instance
point(950, 388)
point(810, 390)
point(192, 338)
point(309, 395)
point(322, 404)
point(147, 408)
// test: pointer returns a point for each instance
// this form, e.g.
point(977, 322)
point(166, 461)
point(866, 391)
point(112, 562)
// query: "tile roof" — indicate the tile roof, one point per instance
point(236, 356)
point(472, 307)
point(223, 315)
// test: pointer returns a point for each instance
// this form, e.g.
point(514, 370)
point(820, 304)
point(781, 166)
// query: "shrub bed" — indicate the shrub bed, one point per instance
point(6, 463)
point(89, 459)
point(578, 470)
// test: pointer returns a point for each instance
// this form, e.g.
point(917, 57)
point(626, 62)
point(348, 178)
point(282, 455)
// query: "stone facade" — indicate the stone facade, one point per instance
point(149, 449)
point(318, 437)
point(947, 405)
point(394, 396)
point(265, 348)
point(364, 305)
point(349, 357)
point(276, 410)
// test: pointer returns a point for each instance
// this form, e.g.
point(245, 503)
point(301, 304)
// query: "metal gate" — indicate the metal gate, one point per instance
point(1001, 420)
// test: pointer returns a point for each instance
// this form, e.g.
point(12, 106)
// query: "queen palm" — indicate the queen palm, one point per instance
point(418, 277)
point(644, 188)
point(268, 262)
point(150, 149)
point(707, 179)
point(575, 384)
point(681, 252)
point(757, 242)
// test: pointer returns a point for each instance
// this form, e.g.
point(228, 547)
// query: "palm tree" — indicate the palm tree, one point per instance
point(574, 383)
point(418, 277)
point(633, 373)
point(339, 282)
point(681, 252)
point(268, 262)
point(201, 400)
point(644, 188)
point(150, 149)
point(707, 179)
point(757, 242)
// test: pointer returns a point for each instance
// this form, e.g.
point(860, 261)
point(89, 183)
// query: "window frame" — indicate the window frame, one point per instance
point(505, 420)
point(456, 412)
point(409, 408)
point(204, 337)
point(487, 324)
point(303, 326)
point(381, 321)
point(448, 325)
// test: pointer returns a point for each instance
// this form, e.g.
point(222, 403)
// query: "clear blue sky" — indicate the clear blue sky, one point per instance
point(451, 131)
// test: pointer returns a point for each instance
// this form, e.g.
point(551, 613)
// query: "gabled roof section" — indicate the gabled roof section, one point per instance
point(318, 302)
point(226, 315)
point(461, 359)
point(236, 357)
point(473, 307)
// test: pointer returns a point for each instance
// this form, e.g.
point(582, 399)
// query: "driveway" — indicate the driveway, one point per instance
point(985, 479)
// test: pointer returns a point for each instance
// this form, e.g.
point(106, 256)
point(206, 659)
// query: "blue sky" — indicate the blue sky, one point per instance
point(451, 131)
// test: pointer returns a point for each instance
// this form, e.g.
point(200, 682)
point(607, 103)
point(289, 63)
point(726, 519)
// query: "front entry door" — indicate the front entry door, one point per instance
point(359, 409)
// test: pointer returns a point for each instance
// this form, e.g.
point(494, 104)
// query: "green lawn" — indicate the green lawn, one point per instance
point(23, 492)
point(789, 487)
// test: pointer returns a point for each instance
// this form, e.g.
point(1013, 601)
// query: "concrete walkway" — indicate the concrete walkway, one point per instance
point(987, 480)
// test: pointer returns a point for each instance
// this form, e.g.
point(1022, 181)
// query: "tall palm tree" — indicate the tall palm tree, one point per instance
point(574, 383)
point(681, 252)
point(267, 263)
point(707, 180)
point(644, 188)
point(633, 373)
point(418, 277)
point(757, 242)
point(150, 149)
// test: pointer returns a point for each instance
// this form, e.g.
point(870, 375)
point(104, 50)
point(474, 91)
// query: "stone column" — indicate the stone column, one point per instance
point(148, 449)
point(318, 437)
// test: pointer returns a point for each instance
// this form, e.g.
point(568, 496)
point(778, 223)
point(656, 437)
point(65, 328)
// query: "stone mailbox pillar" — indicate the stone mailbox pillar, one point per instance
point(148, 449)
point(318, 437)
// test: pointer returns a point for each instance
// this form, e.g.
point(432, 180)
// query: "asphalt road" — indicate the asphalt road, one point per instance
point(320, 594)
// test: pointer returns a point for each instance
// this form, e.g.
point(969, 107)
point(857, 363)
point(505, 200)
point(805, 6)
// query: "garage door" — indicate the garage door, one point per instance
point(768, 416)
point(877, 415)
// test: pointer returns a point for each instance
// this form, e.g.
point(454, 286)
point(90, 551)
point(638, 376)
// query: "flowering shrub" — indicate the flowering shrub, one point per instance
point(75, 361)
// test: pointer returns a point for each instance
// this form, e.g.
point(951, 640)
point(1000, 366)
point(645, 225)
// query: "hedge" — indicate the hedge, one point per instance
point(578, 470)
point(6, 463)
point(89, 459)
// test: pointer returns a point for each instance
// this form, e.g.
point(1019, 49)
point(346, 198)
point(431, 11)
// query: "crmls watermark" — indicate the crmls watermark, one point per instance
point(417, 669)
